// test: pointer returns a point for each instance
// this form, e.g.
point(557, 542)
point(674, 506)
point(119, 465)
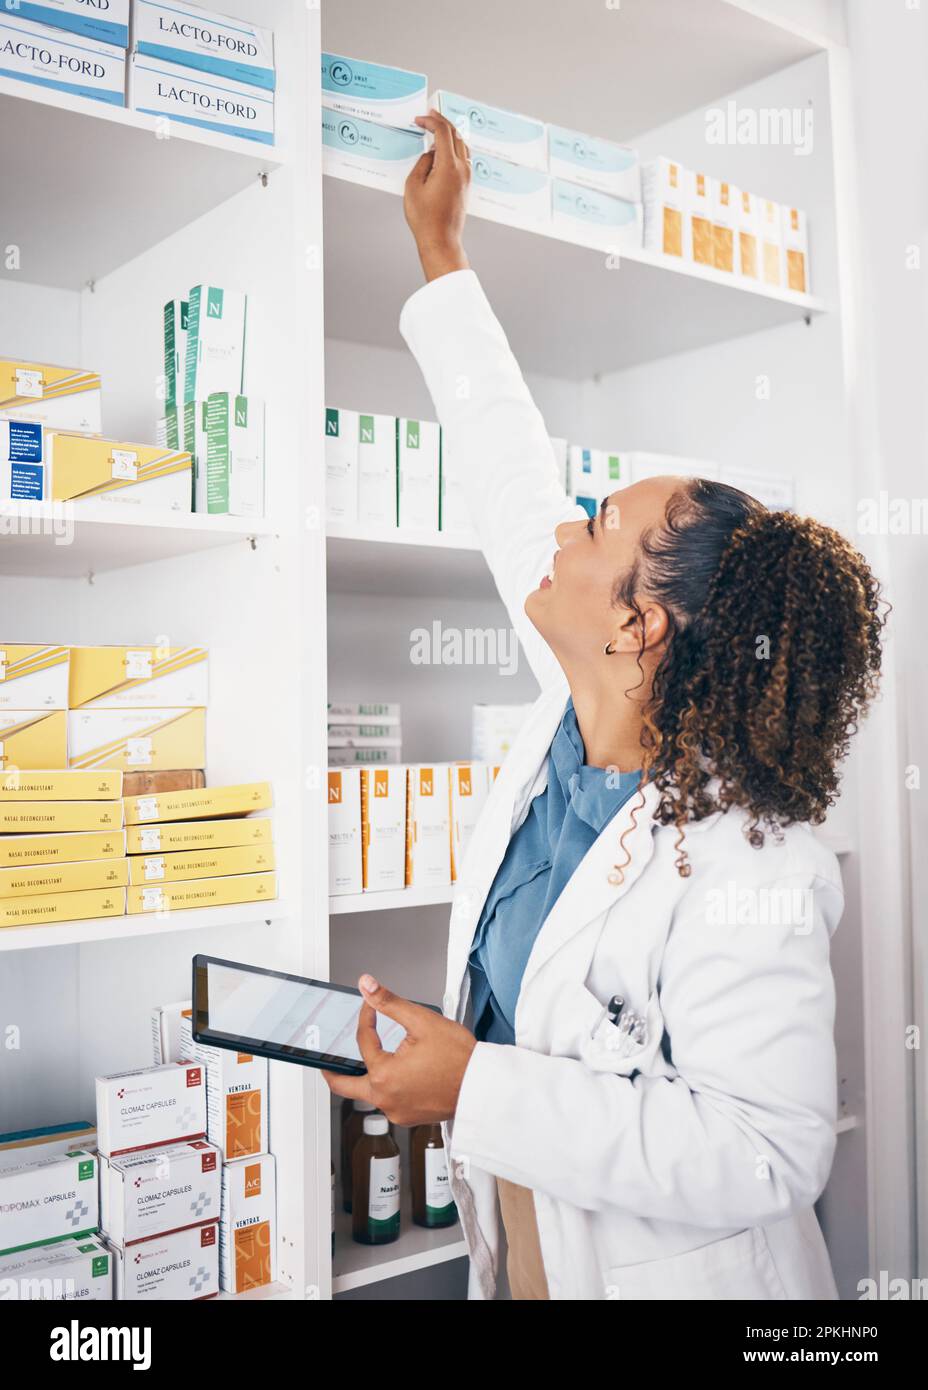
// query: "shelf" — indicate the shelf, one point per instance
point(567, 313)
point(67, 542)
point(417, 1248)
point(269, 1293)
point(139, 924)
point(397, 901)
point(111, 185)
point(403, 563)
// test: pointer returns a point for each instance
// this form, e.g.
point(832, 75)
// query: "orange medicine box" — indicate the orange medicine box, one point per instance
point(248, 1228)
point(236, 1095)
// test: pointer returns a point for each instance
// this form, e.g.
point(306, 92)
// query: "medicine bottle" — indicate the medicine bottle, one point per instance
point(375, 1184)
point(352, 1129)
point(432, 1203)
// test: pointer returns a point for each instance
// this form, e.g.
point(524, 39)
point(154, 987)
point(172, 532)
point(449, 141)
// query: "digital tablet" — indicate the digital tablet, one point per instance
point(288, 1018)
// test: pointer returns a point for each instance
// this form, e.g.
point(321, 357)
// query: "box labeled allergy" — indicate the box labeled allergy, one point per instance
point(248, 1228)
point(159, 1190)
point(150, 1106)
point(236, 1093)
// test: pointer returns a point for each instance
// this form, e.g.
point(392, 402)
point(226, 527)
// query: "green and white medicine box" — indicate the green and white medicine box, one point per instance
point(215, 357)
point(341, 465)
point(65, 1271)
point(418, 458)
point(377, 470)
point(48, 1188)
point(234, 455)
point(175, 348)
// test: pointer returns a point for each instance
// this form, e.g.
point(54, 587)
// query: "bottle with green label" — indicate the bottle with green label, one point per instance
point(432, 1203)
point(375, 1184)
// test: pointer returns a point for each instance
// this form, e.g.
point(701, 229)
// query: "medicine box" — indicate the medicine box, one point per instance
point(701, 198)
point(23, 465)
point(64, 398)
point(796, 248)
point(180, 1266)
point(383, 827)
point(17, 851)
point(216, 324)
point(467, 787)
point(234, 455)
point(178, 779)
point(508, 192)
point(32, 739)
point(86, 468)
point(725, 224)
point(159, 1190)
point(50, 57)
point(748, 262)
point(344, 793)
point(494, 730)
point(772, 257)
point(61, 786)
point(201, 803)
point(666, 227)
point(197, 835)
point(357, 757)
point(201, 863)
point(48, 1186)
point(492, 130)
point(232, 108)
point(59, 817)
point(347, 712)
point(35, 879)
point(45, 908)
point(585, 479)
point(107, 20)
point(69, 1270)
point(373, 91)
point(149, 1106)
point(236, 1095)
point(138, 677)
point(593, 218)
point(377, 470)
point(195, 432)
point(361, 151)
point(418, 455)
point(33, 677)
point(133, 738)
point(341, 464)
point(206, 41)
point(593, 162)
point(169, 429)
point(428, 827)
point(174, 319)
point(248, 1228)
point(165, 1031)
point(205, 892)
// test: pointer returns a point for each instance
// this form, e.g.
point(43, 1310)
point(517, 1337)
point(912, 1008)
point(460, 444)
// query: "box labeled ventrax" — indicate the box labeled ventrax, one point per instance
point(248, 1229)
point(236, 1093)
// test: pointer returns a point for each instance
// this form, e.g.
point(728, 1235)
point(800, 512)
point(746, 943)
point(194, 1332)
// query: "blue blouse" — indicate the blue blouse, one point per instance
point(563, 822)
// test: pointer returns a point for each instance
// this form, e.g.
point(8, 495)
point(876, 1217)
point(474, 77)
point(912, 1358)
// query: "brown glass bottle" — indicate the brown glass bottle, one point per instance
point(352, 1129)
point(432, 1203)
point(375, 1184)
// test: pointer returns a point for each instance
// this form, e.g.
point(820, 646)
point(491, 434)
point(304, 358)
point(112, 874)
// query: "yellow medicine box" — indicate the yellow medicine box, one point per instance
point(202, 892)
point(64, 397)
point(17, 850)
point(89, 468)
point(193, 835)
point(203, 803)
point(33, 677)
point(210, 863)
point(62, 907)
point(34, 738)
point(63, 878)
point(137, 738)
point(58, 817)
point(137, 677)
point(61, 786)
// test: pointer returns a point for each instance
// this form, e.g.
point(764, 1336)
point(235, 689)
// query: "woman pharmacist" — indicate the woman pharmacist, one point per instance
point(646, 1090)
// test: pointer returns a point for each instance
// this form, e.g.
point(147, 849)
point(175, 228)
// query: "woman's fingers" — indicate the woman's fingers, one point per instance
point(442, 131)
point(351, 1087)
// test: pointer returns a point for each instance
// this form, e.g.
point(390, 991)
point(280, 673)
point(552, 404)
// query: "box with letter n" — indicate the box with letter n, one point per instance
point(234, 455)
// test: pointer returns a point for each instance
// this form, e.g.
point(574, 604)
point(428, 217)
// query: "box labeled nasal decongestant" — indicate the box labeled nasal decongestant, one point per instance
point(33, 739)
point(236, 1094)
point(23, 465)
point(199, 803)
point(373, 91)
point(59, 817)
point(508, 192)
point(594, 218)
point(50, 57)
point(203, 863)
point(138, 677)
point(197, 836)
point(383, 827)
point(490, 129)
point(60, 785)
point(418, 455)
point(107, 20)
point(377, 156)
point(48, 1188)
point(150, 1106)
point(201, 892)
point(62, 398)
point(158, 1190)
point(46, 908)
point(593, 162)
point(72, 1271)
point(248, 1228)
point(63, 878)
point(428, 828)
point(20, 851)
point(137, 738)
point(234, 455)
point(179, 1266)
point(206, 41)
point(196, 98)
point(93, 469)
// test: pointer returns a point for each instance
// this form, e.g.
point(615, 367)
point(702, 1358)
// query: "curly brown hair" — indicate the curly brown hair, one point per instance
point(773, 657)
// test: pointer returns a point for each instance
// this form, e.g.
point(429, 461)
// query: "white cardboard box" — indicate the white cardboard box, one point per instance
point(419, 472)
point(196, 98)
point(508, 192)
point(377, 470)
point(495, 131)
point(468, 792)
point(772, 256)
point(216, 333)
point(106, 20)
point(65, 1271)
point(208, 42)
point(51, 57)
point(159, 1190)
point(495, 729)
point(383, 827)
point(235, 455)
point(341, 465)
point(593, 218)
point(666, 226)
point(594, 162)
point(428, 827)
point(795, 228)
point(165, 1029)
point(61, 398)
point(373, 91)
point(377, 156)
point(701, 198)
point(344, 791)
point(236, 1095)
point(181, 1266)
point(48, 1188)
point(248, 1229)
point(150, 1106)
point(749, 238)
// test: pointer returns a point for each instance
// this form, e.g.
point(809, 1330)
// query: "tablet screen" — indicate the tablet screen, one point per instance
point(280, 1011)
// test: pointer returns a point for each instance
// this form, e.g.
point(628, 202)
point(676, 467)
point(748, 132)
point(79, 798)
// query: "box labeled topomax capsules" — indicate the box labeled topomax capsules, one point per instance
point(63, 398)
point(137, 738)
point(201, 803)
point(202, 39)
point(33, 677)
point(201, 863)
point(18, 851)
point(341, 464)
point(48, 1187)
point(149, 1106)
point(69, 1270)
point(594, 218)
point(378, 156)
point(49, 57)
point(215, 358)
point(138, 677)
point(663, 191)
point(377, 470)
point(373, 92)
point(107, 20)
point(418, 462)
point(236, 1095)
point(467, 785)
point(178, 1267)
point(23, 466)
point(33, 739)
point(175, 349)
point(61, 786)
point(344, 790)
point(234, 455)
point(109, 470)
point(195, 836)
point(383, 827)
point(428, 828)
point(216, 103)
point(520, 139)
point(594, 162)
point(509, 192)
point(58, 817)
point(158, 1190)
point(248, 1229)
point(63, 878)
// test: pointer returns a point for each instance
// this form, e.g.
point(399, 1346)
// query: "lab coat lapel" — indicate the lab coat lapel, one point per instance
point(589, 891)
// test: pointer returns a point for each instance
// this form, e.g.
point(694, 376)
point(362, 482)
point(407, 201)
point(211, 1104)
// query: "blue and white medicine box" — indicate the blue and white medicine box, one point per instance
point(378, 156)
point(106, 20)
point(206, 41)
point(520, 139)
point(595, 163)
point(49, 57)
point(23, 464)
point(372, 92)
point(591, 218)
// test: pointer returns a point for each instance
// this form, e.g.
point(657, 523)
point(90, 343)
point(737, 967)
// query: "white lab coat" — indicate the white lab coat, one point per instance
point(688, 1169)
